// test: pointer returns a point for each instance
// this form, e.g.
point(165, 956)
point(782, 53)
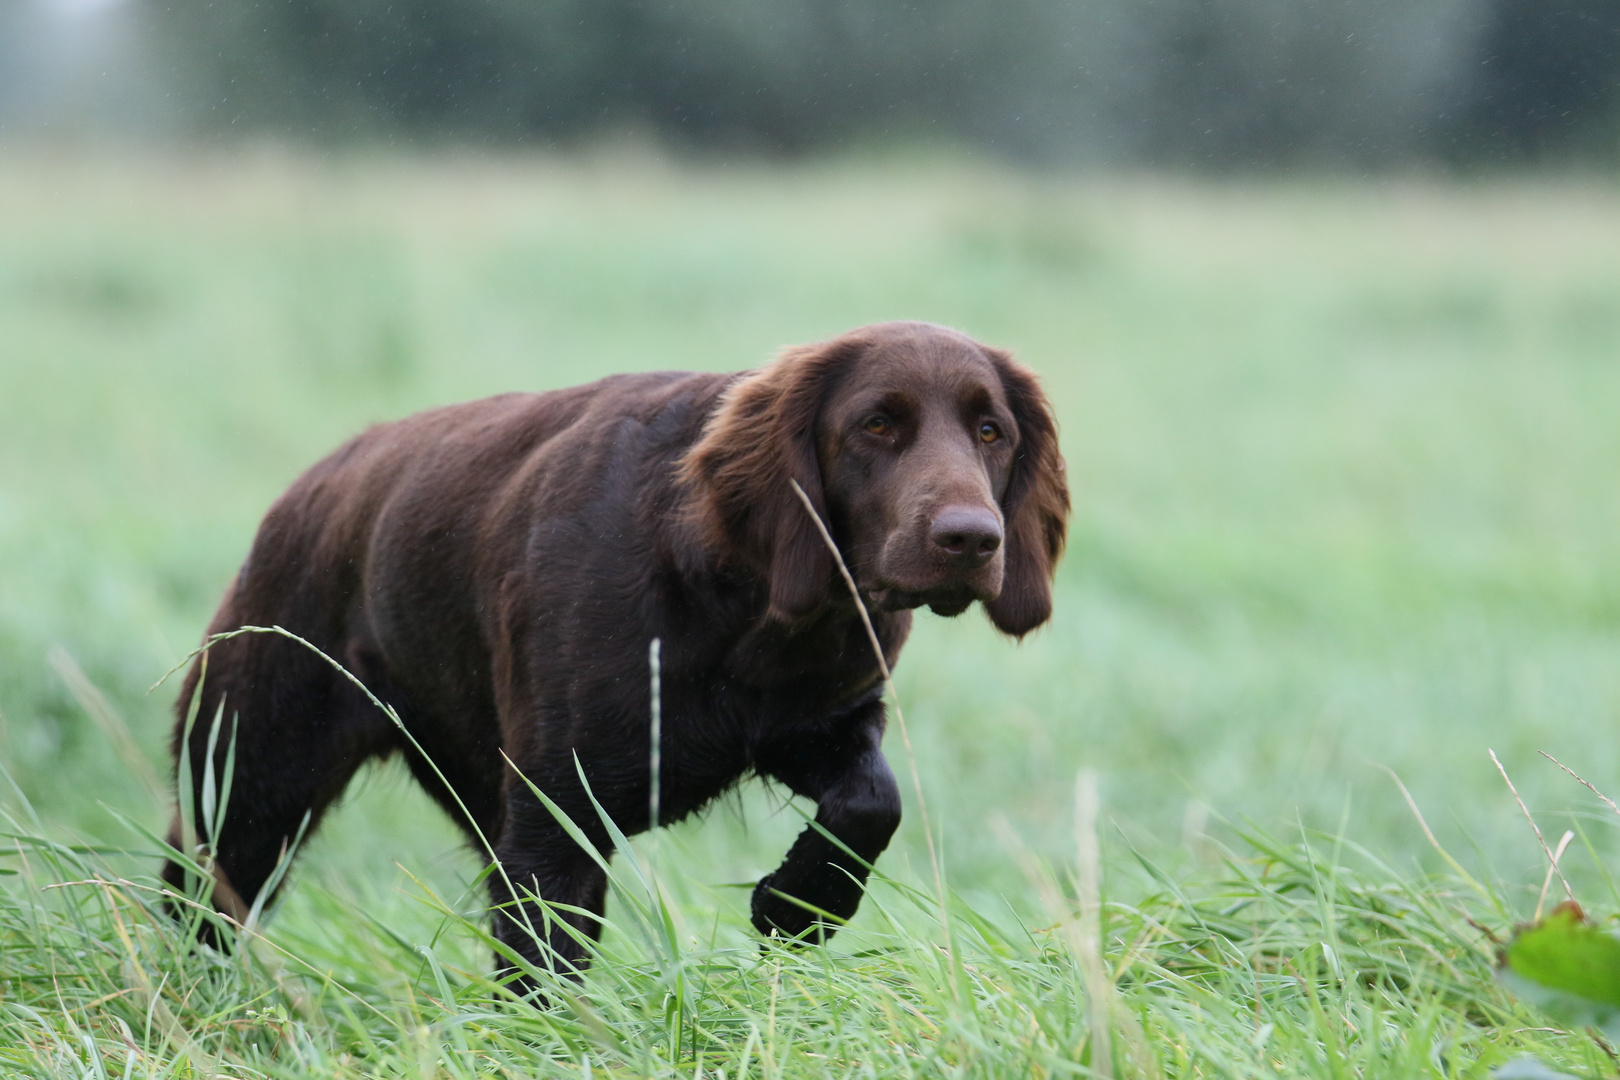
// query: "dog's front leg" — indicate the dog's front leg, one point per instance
point(859, 804)
point(539, 860)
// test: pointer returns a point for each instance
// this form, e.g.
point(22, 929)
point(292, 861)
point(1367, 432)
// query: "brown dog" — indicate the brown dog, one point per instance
point(496, 570)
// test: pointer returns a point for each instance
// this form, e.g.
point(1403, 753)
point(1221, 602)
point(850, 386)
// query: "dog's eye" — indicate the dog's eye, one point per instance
point(988, 432)
point(877, 425)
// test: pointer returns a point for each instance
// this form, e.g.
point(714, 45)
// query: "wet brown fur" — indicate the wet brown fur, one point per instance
point(495, 571)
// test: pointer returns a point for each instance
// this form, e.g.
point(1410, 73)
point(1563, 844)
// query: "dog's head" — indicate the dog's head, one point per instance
point(932, 458)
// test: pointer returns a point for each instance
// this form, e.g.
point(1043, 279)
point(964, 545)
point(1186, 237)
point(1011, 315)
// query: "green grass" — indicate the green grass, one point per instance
point(1343, 458)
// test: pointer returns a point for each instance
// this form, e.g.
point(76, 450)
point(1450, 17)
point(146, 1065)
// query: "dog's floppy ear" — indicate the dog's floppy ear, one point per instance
point(1036, 505)
point(762, 434)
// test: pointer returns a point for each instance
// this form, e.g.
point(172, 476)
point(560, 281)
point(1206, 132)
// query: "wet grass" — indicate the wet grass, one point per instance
point(1343, 458)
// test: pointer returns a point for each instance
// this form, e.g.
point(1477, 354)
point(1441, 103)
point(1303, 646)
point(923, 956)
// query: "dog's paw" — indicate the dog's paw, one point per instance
point(776, 916)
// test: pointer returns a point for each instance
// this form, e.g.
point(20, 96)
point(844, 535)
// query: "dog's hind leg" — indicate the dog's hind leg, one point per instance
point(294, 731)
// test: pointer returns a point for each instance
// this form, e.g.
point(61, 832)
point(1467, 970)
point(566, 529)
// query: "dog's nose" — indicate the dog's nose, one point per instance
point(969, 534)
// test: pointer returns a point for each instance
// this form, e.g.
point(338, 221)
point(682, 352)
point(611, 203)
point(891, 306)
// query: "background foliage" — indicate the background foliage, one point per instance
point(1226, 85)
point(1222, 83)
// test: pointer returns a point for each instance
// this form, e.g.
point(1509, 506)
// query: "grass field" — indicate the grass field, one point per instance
point(1344, 462)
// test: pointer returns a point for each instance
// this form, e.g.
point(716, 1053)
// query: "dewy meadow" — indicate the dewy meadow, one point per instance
point(1343, 458)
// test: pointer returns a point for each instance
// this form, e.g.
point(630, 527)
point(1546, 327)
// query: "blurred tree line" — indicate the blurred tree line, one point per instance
point(1222, 83)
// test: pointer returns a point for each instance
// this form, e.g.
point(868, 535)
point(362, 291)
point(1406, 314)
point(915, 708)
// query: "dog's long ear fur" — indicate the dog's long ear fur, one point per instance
point(1036, 506)
point(762, 434)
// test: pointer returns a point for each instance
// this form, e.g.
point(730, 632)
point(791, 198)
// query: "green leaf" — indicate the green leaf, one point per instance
point(1568, 967)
